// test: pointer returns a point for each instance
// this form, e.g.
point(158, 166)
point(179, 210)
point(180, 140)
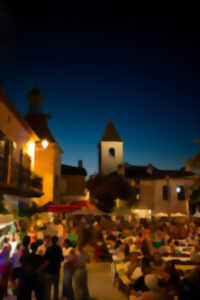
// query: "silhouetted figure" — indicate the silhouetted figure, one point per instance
point(53, 258)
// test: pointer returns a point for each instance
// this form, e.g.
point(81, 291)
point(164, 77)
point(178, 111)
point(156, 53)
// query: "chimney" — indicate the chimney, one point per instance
point(150, 169)
point(80, 164)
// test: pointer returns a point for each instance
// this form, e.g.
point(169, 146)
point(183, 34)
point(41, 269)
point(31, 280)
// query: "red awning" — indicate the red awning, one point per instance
point(68, 208)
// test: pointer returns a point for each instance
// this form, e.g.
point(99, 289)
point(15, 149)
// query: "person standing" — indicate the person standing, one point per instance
point(53, 258)
point(80, 275)
point(69, 258)
point(4, 267)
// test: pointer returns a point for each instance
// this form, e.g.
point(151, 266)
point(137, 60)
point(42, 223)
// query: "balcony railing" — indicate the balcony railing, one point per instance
point(16, 176)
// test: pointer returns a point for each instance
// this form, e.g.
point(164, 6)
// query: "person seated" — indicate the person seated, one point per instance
point(134, 270)
point(158, 239)
point(139, 285)
point(174, 279)
point(110, 237)
point(190, 285)
point(158, 265)
point(165, 249)
point(118, 246)
point(156, 290)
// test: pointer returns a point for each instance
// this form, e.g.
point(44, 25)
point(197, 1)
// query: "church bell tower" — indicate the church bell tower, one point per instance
point(110, 150)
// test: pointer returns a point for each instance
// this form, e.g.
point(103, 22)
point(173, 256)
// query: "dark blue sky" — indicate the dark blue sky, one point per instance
point(135, 65)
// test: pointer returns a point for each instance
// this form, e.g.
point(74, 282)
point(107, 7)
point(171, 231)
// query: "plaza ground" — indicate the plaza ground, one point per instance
point(100, 283)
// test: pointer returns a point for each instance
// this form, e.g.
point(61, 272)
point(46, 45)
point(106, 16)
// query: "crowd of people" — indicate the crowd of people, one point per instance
point(153, 257)
point(32, 261)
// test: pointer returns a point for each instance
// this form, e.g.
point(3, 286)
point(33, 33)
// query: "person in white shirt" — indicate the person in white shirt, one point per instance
point(15, 259)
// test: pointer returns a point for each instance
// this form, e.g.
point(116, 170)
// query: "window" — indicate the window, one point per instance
point(180, 192)
point(112, 152)
point(165, 192)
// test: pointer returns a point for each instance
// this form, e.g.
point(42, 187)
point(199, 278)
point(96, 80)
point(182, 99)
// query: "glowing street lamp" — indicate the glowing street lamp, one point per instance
point(44, 143)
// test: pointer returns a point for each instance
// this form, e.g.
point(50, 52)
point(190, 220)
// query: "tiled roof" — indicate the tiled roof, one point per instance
point(150, 172)
point(4, 98)
point(70, 170)
point(111, 134)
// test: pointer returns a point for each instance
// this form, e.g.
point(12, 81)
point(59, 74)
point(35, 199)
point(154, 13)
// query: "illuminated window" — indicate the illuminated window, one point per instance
point(180, 192)
point(112, 152)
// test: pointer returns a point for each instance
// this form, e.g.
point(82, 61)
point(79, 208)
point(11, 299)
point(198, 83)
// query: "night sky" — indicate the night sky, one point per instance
point(138, 66)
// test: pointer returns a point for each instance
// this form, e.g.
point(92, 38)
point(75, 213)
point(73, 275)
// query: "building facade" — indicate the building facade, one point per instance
point(18, 179)
point(73, 185)
point(166, 191)
point(48, 154)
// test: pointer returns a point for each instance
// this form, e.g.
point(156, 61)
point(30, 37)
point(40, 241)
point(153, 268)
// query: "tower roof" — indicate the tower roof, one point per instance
point(111, 134)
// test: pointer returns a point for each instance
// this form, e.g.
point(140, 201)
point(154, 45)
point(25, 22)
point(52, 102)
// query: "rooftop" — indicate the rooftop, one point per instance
point(111, 134)
point(70, 170)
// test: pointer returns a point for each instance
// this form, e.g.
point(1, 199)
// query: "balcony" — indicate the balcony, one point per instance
point(15, 179)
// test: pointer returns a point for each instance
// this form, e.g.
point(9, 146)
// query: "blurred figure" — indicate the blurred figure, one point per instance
point(4, 267)
point(41, 250)
point(32, 234)
point(53, 258)
point(15, 259)
point(69, 258)
point(81, 291)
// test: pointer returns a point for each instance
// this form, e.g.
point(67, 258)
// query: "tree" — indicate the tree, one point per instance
point(194, 163)
point(105, 189)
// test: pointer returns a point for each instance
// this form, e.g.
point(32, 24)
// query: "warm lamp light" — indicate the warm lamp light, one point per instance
point(45, 144)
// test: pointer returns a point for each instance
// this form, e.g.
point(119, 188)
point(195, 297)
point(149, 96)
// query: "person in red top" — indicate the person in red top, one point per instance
point(32, 234)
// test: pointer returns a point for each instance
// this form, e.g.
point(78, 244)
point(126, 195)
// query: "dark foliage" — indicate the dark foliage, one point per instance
point(105, 189)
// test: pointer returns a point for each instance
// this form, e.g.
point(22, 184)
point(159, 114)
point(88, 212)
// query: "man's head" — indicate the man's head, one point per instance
point(54, 240)
point(34, 247)
point(26, 241)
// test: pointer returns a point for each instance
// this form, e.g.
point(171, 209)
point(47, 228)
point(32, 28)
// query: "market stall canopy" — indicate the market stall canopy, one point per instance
point(161, 214)
point(178, 214)
point(69, 208)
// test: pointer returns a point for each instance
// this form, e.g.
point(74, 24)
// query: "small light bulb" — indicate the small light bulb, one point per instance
point(45, 144)
point(178, 189)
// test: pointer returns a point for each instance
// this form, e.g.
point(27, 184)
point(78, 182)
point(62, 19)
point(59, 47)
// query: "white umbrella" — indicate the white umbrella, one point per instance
point(178, 214)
